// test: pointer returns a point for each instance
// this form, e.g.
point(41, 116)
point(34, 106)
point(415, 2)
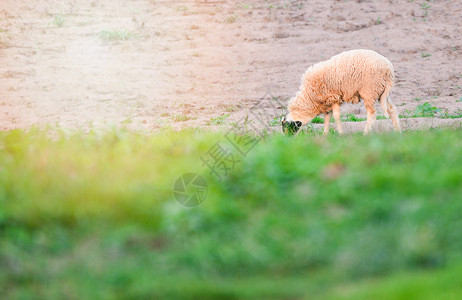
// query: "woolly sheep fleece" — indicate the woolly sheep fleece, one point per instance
point(345, 77)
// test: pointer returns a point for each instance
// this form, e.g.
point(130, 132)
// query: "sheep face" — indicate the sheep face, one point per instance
point(290, 127)
point(294, 121)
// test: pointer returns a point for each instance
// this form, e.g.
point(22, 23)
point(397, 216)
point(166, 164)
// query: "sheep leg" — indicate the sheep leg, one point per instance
point(389, 109)
point(371, 117)
point(393, 113)
point(327, 116)
point(336, 113)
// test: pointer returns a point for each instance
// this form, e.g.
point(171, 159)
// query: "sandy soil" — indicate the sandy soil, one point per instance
point(201, 59)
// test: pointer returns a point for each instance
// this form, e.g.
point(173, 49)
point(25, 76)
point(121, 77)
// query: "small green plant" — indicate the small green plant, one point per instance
point(127, 120)
point(422, 110)
point(425, 55)
point(426, 110)
point(353, 118)
point(378, 21)
point(425, 8)
point(460, 100)
point(317, 120)
point(231, 19)
point(218, 120)
point(182, 8)
point(58, 20)
point(417, 99)
point(311, 131)
point(117, 35)
point(180, 117)
point(406, 114)
point(230, 108)
point(457, 115)
point(276, 121)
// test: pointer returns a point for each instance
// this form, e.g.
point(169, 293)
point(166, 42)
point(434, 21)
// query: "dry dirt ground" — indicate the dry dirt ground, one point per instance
point(149, 64)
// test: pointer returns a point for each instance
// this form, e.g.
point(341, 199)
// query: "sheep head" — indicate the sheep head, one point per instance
point(290, 127)
point(292, 123)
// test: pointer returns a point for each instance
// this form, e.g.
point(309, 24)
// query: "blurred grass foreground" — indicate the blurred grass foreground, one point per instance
point(92, 216)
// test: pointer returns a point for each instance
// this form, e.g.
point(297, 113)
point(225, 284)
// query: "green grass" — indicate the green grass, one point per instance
point(231, 19)
point(58, 20)
point(317, 120)
point(180, 117)
point(426, 110)
point(277, 121)
point(422, 110)
point(230, 108)
point(353, 118)
point(440, 284)
point(218, 120)
point(346, 118)
point(117, 35)
point(457, 115)
point(426, 7)
point(92, 216)
point(182, 8)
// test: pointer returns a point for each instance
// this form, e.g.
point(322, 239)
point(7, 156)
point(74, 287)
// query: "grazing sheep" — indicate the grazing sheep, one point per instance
point(346, 77)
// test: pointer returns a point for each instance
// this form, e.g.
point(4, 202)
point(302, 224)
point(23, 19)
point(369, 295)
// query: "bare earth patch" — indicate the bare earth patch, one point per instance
point(148, 64)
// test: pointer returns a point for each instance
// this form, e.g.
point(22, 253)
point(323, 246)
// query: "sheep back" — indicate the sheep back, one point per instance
point(345, 77)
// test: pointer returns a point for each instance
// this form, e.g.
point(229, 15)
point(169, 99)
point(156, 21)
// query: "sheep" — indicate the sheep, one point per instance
point(346, 77)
